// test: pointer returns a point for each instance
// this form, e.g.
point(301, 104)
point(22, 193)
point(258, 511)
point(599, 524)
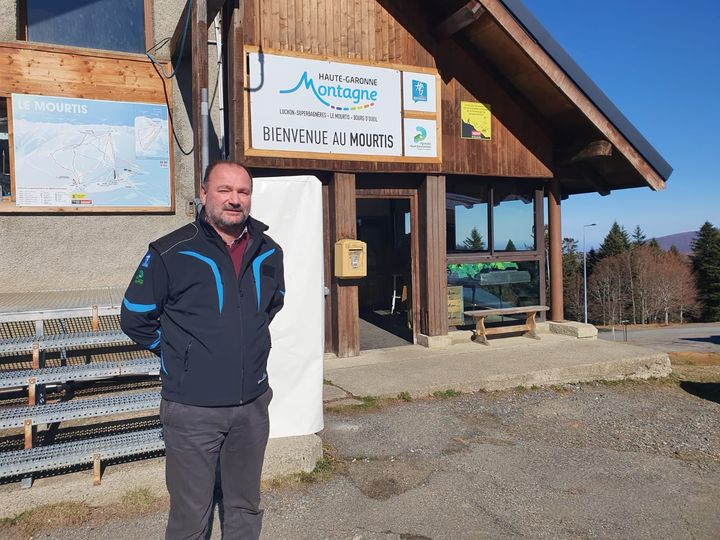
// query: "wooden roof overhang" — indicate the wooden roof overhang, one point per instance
point(596, 148)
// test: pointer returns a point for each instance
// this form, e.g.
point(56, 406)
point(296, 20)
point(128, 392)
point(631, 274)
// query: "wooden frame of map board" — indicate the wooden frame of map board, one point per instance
point(83, 74)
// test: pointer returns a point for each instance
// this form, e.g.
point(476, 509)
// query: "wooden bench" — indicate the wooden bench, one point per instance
point(480, 315)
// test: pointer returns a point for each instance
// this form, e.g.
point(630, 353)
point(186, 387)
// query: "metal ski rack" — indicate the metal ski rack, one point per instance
point(25, 462)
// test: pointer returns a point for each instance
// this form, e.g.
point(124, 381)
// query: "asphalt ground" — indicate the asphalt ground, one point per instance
point(622, 460)
point(695, 337)
point(633, 459)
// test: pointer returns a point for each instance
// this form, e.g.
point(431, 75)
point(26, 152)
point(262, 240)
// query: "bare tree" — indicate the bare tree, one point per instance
point(608, 289)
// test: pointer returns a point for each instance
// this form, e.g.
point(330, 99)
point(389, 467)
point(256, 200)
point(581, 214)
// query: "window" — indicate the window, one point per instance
point(487, 285)
point(489, 216)
point(467, 217)
point(99, 24)
point(493, 258)
point(513, 218)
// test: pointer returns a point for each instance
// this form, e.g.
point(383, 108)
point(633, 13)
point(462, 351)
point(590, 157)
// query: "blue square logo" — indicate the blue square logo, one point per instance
point(419, 91)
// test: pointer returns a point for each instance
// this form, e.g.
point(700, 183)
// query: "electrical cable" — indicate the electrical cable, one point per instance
point(170, 116)
point(164, 41)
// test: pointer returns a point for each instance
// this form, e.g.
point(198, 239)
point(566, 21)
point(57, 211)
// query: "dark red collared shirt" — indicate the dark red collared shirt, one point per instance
point(237, 250)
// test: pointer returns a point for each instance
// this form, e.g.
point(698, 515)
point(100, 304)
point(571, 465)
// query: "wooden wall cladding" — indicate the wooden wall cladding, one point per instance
point(365, 30)
point(30, 68)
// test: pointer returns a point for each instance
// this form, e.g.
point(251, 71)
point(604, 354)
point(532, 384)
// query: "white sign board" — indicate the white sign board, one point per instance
point(304, 105)
point(295, 366)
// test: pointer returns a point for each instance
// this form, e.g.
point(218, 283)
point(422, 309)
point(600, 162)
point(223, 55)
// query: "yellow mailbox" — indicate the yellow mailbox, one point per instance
point(350, 259)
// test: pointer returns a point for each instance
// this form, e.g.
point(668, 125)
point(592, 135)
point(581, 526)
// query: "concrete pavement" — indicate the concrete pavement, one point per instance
point(506, 363)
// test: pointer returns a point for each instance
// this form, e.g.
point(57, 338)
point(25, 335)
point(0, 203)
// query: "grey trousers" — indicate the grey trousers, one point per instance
point(195, 439)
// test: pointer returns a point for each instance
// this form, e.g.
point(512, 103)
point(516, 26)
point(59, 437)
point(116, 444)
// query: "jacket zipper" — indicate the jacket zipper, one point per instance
point(238, 289)
point(187, 356)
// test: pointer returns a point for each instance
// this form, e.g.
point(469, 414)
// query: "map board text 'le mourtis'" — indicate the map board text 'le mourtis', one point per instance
point(92, 153)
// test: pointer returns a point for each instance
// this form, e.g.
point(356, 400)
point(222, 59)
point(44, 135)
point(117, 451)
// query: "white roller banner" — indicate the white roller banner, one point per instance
point(292, 208)
point(304, 105)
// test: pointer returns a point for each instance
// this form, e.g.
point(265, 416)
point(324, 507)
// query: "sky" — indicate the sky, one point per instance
point(659, 63)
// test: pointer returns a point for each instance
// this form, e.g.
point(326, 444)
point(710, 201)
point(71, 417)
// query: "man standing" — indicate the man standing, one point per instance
point(202, 299)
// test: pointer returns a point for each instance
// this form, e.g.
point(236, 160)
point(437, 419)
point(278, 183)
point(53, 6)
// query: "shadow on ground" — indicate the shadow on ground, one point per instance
point(709, 391)
point(709, 339)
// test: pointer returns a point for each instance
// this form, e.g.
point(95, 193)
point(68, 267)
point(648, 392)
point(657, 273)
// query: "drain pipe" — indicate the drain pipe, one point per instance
point(221, 97)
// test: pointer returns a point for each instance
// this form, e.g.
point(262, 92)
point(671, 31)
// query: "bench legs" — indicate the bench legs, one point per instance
point(531, 328)
point(480, 334)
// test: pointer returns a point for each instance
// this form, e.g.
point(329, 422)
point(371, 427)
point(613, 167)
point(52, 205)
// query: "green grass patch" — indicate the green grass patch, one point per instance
point(325, 467)
point(404, 396)
point(139, 501)
point(45, 517)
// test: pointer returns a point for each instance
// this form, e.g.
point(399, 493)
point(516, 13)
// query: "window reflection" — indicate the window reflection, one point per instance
point(513, 219)
point(100, 24)
point(467, 223)
point(487, 285)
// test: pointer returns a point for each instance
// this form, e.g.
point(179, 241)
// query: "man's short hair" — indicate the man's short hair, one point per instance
point(214, 164)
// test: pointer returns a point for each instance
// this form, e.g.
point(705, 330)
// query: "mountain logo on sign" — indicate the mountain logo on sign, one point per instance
point(323, 92)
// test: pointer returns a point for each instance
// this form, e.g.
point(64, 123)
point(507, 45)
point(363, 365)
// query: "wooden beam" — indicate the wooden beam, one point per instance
point(567, 86)
point(596, 181)
point(556, 277)
point(344, 293)
point(433, 257)
point(463, 17)
point(234, 78)
point(199, 74)
point(594, 149)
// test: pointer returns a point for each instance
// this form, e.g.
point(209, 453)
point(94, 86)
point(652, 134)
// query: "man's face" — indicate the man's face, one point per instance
point(226, 197)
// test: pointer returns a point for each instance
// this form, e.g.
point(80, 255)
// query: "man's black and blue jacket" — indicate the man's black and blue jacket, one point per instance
point(209, 327)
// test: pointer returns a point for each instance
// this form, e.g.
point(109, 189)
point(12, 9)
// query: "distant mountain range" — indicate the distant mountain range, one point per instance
point(680, 240)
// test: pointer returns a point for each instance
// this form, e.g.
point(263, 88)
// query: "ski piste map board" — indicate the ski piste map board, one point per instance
point(72, 154)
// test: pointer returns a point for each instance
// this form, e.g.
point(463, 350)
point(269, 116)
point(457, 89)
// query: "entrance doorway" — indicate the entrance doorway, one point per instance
point(387, 307)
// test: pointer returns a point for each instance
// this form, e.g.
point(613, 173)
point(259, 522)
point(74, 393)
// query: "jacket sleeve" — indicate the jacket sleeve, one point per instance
point(278, 299)
point(144, 301)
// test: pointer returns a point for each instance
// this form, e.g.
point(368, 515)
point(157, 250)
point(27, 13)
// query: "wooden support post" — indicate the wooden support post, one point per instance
point(29, 433)
point(433, 257)
point(234, 77)
point(95, 319)
point(344, 293)
point(556, 276)
point(540, 246)
point(199, 74)
point(97, 470)
point(32, 397)
point(36, 355)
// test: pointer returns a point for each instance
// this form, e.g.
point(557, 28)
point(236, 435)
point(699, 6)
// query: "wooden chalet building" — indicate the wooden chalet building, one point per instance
point(438, 129)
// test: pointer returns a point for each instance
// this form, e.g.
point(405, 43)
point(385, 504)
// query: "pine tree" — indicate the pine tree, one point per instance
point(706, 264)
point(474, 242)
point(510, 246)
point(674, 250)
point(616, 241)
point(572, 279)
point(592, 259)
point(654, 245)
point(638, 237)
